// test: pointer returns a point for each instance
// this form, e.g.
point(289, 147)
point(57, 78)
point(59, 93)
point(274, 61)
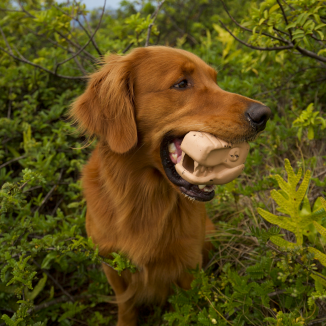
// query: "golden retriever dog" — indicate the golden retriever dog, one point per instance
point(137, 105)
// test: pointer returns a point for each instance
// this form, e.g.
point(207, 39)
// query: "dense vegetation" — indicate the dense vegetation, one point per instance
point(269, 265)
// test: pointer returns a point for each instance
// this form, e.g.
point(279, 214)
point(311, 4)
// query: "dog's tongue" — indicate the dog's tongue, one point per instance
point(176, 151)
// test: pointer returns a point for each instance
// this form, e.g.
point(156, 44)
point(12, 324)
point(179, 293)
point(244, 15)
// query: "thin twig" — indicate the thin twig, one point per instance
point(11, 161)
point(10, 10)
point(56, 301)
point(310, 54)
point(21, 58)
point(290, 46)
point(249, 30)
point(24, 60)
point(80, 66)
point(5, 39)
point(9, 105)
point(298, 261)
point(69, 49)
point(283, 12)
point(49, 193)
point(258, 47)
point(82, 26)
point(154, 15)
point(320, 174)
point(32, 188)
point(57, 205)
point(188, 35)
point(59, 33)
point(24, 10)
point(316, 321)
point(128, 47)
point(46, 198)
point(76, 45)
point(54, 281)
point(89, 40)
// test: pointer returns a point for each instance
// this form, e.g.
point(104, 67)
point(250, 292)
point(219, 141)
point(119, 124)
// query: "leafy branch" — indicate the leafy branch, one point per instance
point(292, 33)
point(13, 52)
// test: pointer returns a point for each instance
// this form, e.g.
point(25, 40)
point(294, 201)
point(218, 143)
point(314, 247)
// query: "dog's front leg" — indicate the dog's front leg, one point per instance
point(127, 313)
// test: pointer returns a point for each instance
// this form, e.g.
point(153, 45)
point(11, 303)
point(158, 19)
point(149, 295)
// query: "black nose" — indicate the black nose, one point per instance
point(257, 115)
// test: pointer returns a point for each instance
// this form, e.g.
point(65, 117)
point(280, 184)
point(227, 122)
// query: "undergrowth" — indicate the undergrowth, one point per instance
point(268, 262)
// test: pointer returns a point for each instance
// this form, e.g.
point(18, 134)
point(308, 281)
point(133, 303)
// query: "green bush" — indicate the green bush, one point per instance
point(258, 274)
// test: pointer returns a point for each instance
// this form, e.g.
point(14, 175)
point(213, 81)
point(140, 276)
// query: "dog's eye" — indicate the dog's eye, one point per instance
point(183, 84)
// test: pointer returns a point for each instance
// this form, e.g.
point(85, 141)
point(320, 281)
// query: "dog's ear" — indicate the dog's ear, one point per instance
point(106, 107)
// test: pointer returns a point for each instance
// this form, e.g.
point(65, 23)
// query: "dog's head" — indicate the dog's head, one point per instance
point(152, 97)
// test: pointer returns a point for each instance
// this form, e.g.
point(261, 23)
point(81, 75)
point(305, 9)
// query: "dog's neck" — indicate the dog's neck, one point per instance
point(155, 206)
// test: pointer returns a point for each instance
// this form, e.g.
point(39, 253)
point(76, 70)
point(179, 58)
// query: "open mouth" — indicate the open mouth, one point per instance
point(171, 154)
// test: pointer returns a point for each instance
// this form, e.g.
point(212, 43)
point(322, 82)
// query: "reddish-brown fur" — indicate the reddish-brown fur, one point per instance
point(132, 207)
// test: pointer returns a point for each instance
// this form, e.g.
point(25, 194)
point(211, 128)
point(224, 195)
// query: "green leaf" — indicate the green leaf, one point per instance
point(7, 320)
point(322, 36)
point(47, 260)
point(38, 288)
point(318, 255)
point(283, 243)
point(311, 133)
point(319, 26)
point(273, 8)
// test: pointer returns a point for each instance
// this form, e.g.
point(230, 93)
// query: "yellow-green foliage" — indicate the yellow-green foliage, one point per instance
point(299, 221)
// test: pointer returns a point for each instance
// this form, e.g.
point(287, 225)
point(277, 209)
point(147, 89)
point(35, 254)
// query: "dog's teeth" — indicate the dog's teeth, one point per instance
point(201, 186)
point(175, 156)
point(209, 188)
point(172, 148)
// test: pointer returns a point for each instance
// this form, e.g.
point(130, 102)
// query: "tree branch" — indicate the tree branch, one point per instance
point(50, 192)
point(23, 10)
point(249, 30)
point(188, 35)
point(11, 161)
point(128, 47)
point(82, 48)
point(76, 45)
point(257, 47)
point(10, 10)
point(283, 12)
point(154, 15)
point(311, 54)
point(84, 29)
point(290, 46)
point(24, 60)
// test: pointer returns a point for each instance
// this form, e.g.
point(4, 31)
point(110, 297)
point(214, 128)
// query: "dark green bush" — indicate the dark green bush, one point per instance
point(50, 274)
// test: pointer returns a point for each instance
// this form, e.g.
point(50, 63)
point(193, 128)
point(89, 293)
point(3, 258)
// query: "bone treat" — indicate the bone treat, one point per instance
point(209, 160)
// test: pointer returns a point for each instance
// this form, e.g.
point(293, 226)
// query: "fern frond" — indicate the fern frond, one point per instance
point(318, 214)
point(318, 255)
point(303, 188)
point(283, 243)
point(319, 278)
point(286, 204)
point(282, 184)
point(320, 229)
point(293, 178)
point(323, 202)
point(281, 221)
